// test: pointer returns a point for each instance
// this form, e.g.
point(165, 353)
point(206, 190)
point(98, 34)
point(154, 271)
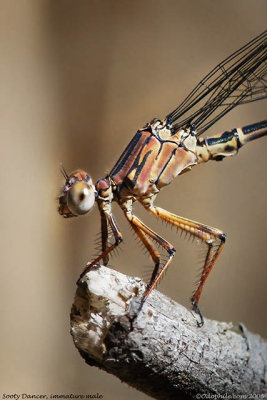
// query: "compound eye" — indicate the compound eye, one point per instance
point(80, 198)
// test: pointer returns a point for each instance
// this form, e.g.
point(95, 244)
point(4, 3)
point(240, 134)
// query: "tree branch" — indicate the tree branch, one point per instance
point(162, 352)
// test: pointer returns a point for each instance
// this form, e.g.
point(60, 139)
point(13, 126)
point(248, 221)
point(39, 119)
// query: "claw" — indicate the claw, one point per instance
point(198, 312)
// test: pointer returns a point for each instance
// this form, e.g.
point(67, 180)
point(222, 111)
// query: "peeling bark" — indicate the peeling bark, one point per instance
point(162, 352)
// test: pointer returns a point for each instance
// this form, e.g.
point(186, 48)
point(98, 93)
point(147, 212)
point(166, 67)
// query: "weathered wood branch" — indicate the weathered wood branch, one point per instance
point(162, 352)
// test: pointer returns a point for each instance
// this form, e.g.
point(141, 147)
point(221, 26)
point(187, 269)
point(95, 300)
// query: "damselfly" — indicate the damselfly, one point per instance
point(166, 148)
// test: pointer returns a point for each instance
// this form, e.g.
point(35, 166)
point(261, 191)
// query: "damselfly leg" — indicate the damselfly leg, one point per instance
point(210, 236)
point(143, 232)
point(106, 216)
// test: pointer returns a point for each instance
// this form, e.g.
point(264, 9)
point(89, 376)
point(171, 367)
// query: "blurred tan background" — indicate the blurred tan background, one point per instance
point(78, 78)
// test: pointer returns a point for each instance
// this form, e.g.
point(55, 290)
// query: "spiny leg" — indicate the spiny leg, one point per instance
point(143, 230)
point(148, 245)
point(108, 249)
point(104, 236)
point(208, 234)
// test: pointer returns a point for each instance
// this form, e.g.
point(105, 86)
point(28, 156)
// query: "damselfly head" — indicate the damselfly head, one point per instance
point(78, 194)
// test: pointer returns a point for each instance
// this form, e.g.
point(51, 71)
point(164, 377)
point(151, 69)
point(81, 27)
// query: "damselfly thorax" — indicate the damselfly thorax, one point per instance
point(153, 158)
point(166, 148)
